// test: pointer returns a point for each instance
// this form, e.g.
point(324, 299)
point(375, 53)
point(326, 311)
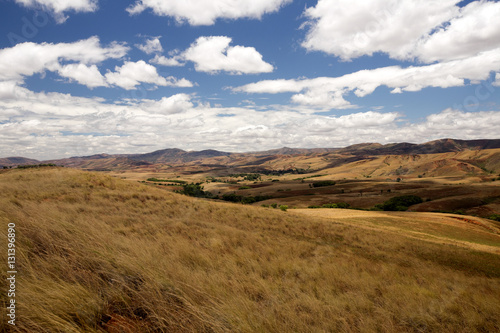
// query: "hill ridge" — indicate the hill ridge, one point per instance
point(176, 155)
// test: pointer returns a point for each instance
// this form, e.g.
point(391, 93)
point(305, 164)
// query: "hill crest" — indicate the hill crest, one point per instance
point(179, 156)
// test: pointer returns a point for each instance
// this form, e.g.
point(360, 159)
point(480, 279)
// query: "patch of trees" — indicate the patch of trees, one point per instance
point(247, 176)
point(323, 183)
point(41, 165)
point(245, 200)
point(195, 190)
point(400, 203)
point(275, 205)
point(295, 171)
point(343, 205)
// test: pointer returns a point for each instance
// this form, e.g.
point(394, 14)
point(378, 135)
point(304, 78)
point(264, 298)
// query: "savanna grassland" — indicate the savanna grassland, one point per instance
point(99, 254)
point(462, 182)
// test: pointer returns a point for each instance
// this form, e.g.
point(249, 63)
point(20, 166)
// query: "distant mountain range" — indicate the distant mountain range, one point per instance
point(179, 156)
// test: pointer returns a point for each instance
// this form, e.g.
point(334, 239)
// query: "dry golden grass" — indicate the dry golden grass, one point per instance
point(464, 231)
point(98, 254)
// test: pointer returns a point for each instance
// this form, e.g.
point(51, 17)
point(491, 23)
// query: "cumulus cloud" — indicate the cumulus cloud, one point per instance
point(26, 59)
point(475, 29)
point(131, 74)
point(202, 12)
point(78, 62)
point(59, 7)
point(425, 30)
point(152, 45)
point(50, 125)
point(214, 54)
point(83, 74)
point(169, 105)
point(330, 92)
point(164, 61)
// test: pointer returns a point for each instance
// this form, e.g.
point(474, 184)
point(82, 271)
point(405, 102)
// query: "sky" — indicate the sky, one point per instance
point(82, 77)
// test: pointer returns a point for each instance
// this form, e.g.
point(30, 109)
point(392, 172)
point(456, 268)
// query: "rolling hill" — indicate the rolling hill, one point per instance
point(450, 175)
point(99, 254)
point(15, 161)
point(436, 158)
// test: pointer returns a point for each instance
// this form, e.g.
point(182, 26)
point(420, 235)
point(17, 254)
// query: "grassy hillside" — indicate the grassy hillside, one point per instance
point(98, 254)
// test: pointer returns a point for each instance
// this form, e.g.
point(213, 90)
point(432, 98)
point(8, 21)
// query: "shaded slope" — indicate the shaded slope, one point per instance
point(432, 147)
point(15, 161)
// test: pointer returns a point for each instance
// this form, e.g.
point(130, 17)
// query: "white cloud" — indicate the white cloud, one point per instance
point(26, 59)
point(497, 82)
point(59, 7)
point(352, 28)
point(89, 76)
point(164, 61)
point(131, 74)
point(203, 12)
point(213, 54)
point(425, 30)
point(475, 29)
point(50, 125)
point(169, 105)
point(78, 62)
point(330, 92)
point(10, 90)
point(152, 45)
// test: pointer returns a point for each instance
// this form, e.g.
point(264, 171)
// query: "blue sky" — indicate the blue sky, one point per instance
point(91, 76)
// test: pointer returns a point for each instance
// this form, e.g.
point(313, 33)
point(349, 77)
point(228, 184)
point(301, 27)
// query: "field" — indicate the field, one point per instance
point(96, 253)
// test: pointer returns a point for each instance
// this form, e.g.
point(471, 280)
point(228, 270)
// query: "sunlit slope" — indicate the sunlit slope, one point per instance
point(98, 254)
point(455, 164)
point(459, 230)
point(464, 163)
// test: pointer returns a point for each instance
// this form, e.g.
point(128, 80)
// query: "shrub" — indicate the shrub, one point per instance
point(284, 207)
point(195, 190)
point(274, 205)
point(245, 188)
point(495, 217)
point(400, 203)
point(32, 166)
point(246, 200)
point(332, 205)
point(344, 205)
point(323, 183)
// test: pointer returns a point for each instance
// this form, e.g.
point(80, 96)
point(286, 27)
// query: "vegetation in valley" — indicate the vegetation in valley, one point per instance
point(323, 183)
point(342, 205)
point(400, 203)
point(166, 180)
